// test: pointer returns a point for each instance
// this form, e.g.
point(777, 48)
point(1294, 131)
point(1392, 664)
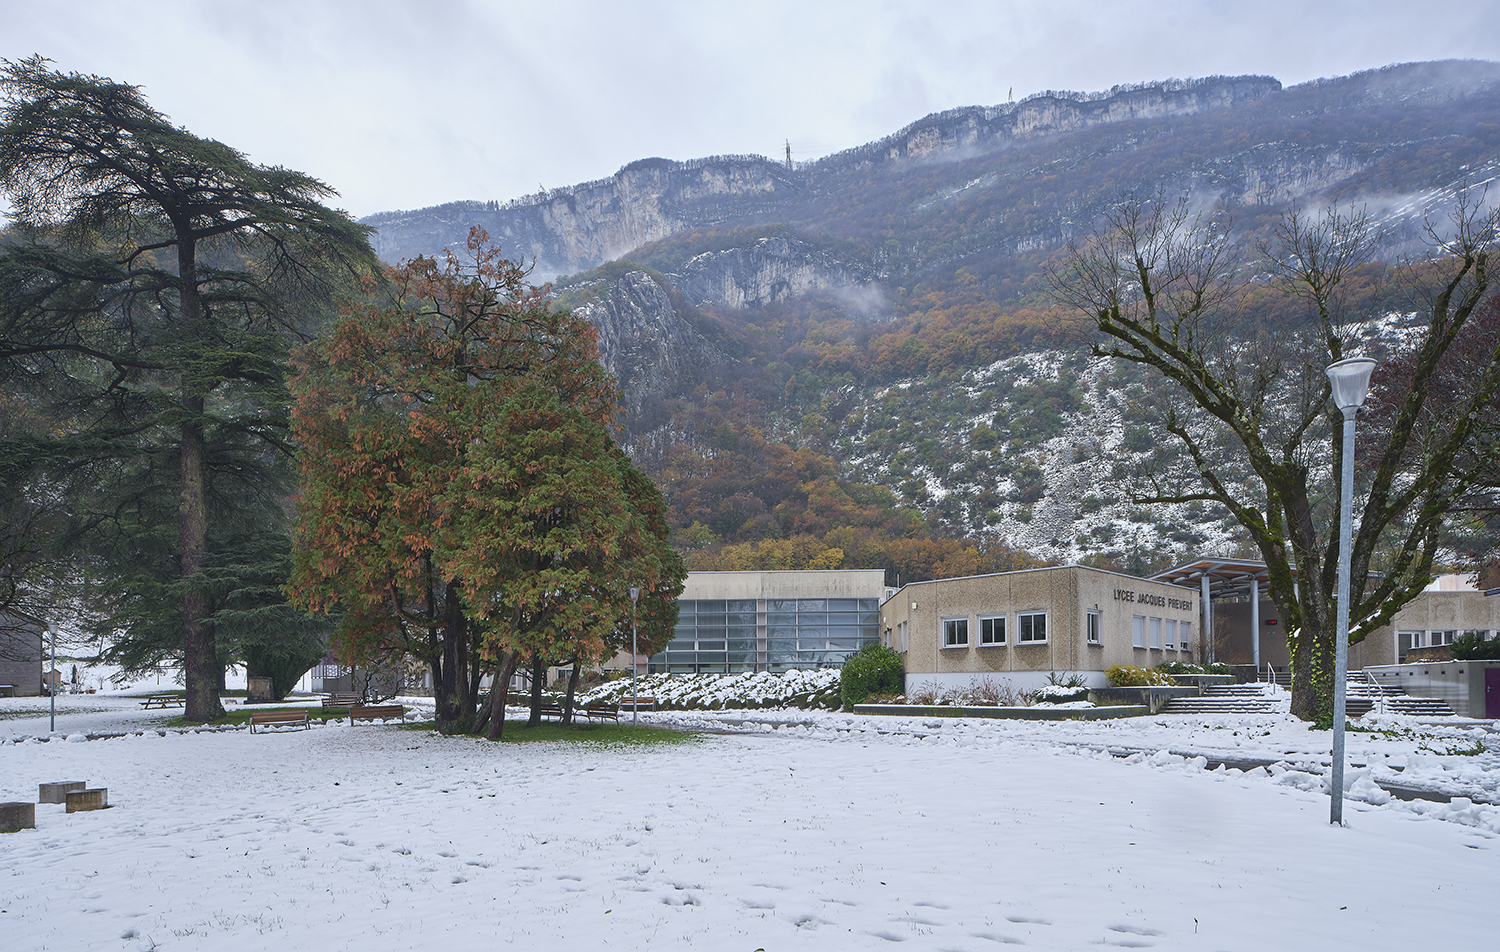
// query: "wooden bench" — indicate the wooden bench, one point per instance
point(376, 712)
point(603, 710)
point(165, 700)
point(631, 703)
point(273, 718)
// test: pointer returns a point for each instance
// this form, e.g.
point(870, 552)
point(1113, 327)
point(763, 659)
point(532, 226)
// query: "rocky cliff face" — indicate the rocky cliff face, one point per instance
point(573, 229)
point(984, 128)
point(772, 270)
point(643, 340)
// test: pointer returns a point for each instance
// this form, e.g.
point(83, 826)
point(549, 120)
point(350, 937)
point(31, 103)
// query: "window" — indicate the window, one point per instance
point(955, 632)
point(1138, 631)
point(1169, 637)
point(992, 630)
point(1405, 641)
point(1031, 628)
point(1091, 627)
point(1155, 632)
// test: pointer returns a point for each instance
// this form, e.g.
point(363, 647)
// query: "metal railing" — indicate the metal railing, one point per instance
point(1379, 691)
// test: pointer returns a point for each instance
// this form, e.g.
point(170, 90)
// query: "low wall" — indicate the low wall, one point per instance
point(1006, 713)
point(1154, 696)
point(1458, 683)
point(1018, 680)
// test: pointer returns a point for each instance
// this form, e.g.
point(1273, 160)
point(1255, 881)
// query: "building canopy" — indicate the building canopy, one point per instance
point(1227, 578)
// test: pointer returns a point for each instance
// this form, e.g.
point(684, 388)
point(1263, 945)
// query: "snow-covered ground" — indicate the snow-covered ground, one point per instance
point(789, 830)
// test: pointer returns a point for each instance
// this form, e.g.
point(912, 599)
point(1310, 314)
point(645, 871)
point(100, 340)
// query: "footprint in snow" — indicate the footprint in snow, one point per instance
point(1002, 939)
point(1135, 930)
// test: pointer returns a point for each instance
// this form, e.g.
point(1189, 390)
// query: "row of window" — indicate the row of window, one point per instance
point(1031, 629)
point(1161, 633)
point(1429, 639)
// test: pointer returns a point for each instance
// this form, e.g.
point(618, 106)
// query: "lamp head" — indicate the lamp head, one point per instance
point(1351, 381)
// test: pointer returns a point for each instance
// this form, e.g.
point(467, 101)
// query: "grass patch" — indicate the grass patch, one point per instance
point(623, 735)
point(242, 715)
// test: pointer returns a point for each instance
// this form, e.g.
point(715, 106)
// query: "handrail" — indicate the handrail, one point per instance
point(1379, 691)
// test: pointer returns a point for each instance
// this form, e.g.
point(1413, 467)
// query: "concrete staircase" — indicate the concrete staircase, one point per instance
point(1228, 699)
point(1363, 697)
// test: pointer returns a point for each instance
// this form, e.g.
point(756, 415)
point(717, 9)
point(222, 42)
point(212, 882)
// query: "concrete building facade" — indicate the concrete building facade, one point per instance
point(732, 622)
point(1021, 627)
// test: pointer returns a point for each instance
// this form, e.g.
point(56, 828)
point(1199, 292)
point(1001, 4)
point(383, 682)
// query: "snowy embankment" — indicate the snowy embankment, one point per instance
point(799, 830)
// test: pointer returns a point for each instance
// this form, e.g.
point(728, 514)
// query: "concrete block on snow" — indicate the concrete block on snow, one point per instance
point(58, 792)
point(17, 816)
point(80, 800)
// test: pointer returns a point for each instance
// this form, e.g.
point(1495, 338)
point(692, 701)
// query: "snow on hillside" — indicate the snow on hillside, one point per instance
point(1059, 489)
point(797, 830)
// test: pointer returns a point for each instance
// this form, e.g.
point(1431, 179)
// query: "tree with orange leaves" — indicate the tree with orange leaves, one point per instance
point(463, 501)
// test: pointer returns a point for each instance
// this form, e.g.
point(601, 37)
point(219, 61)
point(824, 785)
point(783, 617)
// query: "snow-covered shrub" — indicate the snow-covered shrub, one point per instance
point(1059, 694)
point(928, 692)
point(1187, 667)
point(1128, 675)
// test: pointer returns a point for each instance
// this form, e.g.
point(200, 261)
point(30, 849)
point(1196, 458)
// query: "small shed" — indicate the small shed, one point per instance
point(20, 655)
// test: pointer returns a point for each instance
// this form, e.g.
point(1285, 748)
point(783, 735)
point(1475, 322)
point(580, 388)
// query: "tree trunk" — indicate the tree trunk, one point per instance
point(572, 689)
point(451, 709)
point(538, 678)
point(500, 694)
point(200, 661)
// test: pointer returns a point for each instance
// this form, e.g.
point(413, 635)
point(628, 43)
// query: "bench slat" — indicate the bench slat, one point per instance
point(264, 718)
point(371, 712)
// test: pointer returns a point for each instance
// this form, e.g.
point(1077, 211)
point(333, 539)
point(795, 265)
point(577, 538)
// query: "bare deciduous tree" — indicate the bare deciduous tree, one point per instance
point(1248, 402)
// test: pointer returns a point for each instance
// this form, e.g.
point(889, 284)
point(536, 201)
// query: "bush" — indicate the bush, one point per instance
point(1474, 647)
point(874, 669)
point(1187, 667)
point(1128, 676)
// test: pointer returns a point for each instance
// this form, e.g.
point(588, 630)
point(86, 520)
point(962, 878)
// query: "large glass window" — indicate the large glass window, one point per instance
point(733, 635)
point(1031, 628)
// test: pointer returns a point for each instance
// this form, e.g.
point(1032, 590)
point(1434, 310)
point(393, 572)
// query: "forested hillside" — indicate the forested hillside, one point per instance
point(858, 360)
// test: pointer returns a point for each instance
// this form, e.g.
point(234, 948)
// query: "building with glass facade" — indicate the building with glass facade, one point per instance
point(732, 622)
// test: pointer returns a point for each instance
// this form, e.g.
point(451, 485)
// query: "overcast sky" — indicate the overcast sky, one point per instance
point(409, 103)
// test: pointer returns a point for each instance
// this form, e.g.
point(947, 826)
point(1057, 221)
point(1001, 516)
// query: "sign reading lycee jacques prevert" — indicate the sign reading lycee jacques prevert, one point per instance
point(1151, 598)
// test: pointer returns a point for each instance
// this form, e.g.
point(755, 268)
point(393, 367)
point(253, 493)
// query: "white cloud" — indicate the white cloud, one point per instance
point(400, 105)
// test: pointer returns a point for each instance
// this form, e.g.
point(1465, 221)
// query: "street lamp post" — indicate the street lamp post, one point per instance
point(52, 677)
point(635, 699)
point(1351, 382)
